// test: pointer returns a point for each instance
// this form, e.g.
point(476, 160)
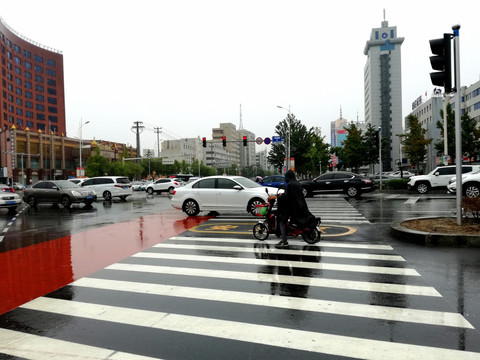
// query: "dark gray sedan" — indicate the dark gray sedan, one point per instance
point(62, 192)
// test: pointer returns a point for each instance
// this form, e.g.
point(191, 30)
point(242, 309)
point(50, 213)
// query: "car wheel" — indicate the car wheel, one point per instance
point(471, 190)
point(252, 205)
point(123, 198)
point(422, 188)
point(170, 189)
point(88, 202)
point(32, 201)
point(107, 196)
point(65, 201)
point(352, 191)
point(190, 207)
point(150, 190)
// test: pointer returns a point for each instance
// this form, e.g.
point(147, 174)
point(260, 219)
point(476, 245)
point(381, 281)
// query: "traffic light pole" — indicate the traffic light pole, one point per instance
point(458, 132)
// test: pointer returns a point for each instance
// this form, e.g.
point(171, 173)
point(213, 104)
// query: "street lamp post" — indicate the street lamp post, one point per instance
point(288, 136)
point(81, 145)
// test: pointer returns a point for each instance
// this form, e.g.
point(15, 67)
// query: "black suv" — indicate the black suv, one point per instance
point(338, 182)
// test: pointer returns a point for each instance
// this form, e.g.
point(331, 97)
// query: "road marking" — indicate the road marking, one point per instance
point(412, 200)
point(287, 302)
point(286, 263)
point(255, 241)
point(283, 279)
point(336, 345)
point(28, 346)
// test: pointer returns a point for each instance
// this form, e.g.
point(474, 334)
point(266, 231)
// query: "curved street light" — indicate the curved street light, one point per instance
point(287, 155)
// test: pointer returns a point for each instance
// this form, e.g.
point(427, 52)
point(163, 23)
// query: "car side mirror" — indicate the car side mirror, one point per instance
point(237, 187)
point(437, 173)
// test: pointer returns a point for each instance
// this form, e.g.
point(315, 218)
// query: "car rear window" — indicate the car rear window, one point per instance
point(123, 180)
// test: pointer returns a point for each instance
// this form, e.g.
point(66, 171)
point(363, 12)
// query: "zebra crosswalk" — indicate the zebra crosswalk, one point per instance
point(196, 297)
point(334, 210)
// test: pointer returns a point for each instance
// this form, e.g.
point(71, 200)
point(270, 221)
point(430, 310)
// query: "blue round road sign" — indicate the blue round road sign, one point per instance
point(267, 140)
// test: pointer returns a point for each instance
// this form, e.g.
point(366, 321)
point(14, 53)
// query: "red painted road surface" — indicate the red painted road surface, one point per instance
point(36, 270)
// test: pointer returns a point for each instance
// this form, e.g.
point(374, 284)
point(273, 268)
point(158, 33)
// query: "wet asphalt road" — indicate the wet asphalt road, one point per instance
point(454, 273)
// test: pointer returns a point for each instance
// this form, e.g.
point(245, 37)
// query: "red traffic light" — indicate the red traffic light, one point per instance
point(244, 141)
point(224, 141)
point(204, 142)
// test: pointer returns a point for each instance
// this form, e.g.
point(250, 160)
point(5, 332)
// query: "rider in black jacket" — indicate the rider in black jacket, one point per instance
point(292, 204)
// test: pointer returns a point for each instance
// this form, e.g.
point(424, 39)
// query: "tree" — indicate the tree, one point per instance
point(415, 143)
point(317, 153)
point(352, 154)
point(300, 143)
point(97, 165)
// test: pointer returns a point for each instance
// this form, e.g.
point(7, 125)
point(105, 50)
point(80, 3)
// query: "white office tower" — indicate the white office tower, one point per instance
point(383, 88)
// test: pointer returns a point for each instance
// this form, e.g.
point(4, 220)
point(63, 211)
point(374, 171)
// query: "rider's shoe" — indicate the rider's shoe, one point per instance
point(282, 244)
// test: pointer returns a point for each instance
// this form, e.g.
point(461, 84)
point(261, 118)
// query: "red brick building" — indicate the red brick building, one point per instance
point(32, 84)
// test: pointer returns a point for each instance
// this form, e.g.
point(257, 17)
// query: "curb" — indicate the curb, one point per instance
point(433, 239)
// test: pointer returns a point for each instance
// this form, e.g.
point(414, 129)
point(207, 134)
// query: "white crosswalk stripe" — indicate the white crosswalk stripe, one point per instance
point(216, 298)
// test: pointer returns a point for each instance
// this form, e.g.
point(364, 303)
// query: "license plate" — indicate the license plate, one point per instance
point(11, 202)
point(126, 187)
point(89, 197)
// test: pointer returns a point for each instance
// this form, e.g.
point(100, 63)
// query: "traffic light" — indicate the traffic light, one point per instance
point(442, 61)
point(224, 141)
point(244, 141)
point(330, 167)
point(204, 142)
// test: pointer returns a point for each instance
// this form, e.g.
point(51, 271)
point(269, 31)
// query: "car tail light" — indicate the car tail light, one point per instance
point(176, 183)
point(367, 181)
point(174, 191)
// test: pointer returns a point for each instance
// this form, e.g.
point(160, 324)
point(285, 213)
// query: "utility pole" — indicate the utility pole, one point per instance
point(138, 128)
point(158, 130)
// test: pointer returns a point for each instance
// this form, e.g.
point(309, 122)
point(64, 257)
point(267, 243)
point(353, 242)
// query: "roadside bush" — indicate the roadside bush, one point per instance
point(471, 208)
point(396, 184)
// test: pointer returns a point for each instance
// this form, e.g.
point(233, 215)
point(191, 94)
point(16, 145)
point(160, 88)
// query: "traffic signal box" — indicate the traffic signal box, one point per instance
point(204, 142)
point(244, 141)
point(330, 167)
point(224, 141)
point(441, 48)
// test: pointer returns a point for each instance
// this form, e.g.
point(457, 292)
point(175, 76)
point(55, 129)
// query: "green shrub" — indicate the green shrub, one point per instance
point(396, 184)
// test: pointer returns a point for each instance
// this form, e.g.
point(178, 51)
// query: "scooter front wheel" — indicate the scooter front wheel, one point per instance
point(311, 237)
point(260, 231)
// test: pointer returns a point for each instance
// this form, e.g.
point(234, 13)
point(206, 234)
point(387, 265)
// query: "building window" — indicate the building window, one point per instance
point(19, 112)
point(51, 82)
point(38, 58)
point(19, 101)
point(27, 54)
point(28, 85)
point(29, 104)
point(28, 75)
point(51, 72)
point(19, 122)
point(39, 78)
point(39, 88)
point(52, 118)
point(40, 126)
point(17, 49)
point(51, 62)
point(18, 81)
point(52, 91)
point(18, 70)
point(17, 60)
point(39, 97)
point(40, 107)
point(29, 114)
point(52, 109)
point(28, 94)
point(27, 65)
point(52, 100)
point(40, 117)
point(38, 69)
point(18, 91)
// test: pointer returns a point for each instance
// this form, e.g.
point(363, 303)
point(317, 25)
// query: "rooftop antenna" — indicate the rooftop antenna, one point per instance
point(340, 111)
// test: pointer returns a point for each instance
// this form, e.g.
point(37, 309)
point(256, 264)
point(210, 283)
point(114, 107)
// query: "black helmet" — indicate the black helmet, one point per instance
point(289, 176)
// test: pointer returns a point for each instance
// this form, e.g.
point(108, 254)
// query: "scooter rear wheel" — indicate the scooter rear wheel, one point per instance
point(260, 231)
point(311, 237)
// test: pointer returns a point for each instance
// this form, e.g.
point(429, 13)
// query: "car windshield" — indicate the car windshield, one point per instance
point(66, 184)
point(123, 180)
point(248, 183)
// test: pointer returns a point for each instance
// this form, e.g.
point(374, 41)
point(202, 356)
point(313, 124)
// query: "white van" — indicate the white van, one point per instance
point(437, 178)
point(109, 187)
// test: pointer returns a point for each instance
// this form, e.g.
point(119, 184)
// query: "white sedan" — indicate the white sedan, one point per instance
point(220, 194)
point(9, 200)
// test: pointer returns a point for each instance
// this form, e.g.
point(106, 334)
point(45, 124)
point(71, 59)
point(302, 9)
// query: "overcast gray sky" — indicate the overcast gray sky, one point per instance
point(187, 65)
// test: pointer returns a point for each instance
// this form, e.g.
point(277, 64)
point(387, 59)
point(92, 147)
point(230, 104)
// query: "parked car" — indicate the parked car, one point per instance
point(62, 192)
point(9, 199)
point(273, 181)
point(77, 181)
point(139, 185)
point(437, 178)
point(470, 185)
point(18, 186)
point(6, 188)
point(163, 185)
point(220, 193)
point(401, 174)
point(338, 182)
point(109, 187)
